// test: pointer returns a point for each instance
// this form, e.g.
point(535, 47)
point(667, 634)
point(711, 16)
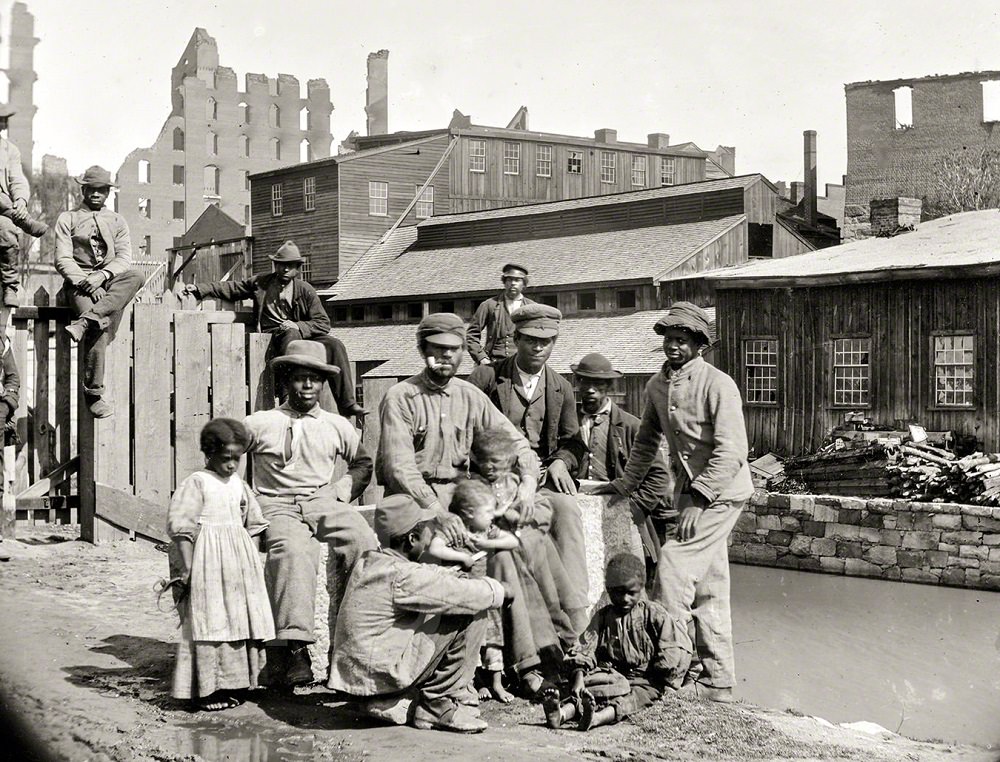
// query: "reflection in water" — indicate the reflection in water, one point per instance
point(243, 744)
point(917, 659)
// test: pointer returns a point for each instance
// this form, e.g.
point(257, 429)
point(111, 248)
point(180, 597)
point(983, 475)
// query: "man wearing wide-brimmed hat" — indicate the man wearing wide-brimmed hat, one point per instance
point(491, 331)
point(295, 450)
point(699, 410)
point(94, 256)
point(288, 307)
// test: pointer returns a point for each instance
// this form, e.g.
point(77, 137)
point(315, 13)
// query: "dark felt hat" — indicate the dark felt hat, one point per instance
point(538, 320)
point(688, 316)
point(445, 328)
point(595, 365)
point(302, 353)
point(95, 177)
point(287, 252)
point(398, 514)
point(517, 271)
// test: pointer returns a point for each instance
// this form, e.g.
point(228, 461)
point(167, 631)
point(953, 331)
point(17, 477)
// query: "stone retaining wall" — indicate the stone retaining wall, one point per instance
point(934, 543)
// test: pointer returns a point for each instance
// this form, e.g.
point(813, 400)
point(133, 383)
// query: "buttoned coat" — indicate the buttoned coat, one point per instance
point(307, 309)
point(490, 322)
point(74, 256)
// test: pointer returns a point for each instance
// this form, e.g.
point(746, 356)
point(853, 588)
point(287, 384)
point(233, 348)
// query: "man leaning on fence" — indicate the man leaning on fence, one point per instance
point(94, 256)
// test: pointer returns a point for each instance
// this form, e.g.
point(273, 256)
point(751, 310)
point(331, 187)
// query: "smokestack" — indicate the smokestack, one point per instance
point(809, 157)
point(377, 93)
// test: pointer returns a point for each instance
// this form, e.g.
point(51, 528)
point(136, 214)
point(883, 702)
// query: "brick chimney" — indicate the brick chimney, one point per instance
point(658, 140)
point(377, 93)
point(809, 160)
point(797, 192)
point(606, 135)
point(892, 216)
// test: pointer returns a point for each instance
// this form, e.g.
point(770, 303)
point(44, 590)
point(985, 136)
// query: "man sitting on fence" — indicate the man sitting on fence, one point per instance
point(288, 307)
point(295, 450)
point(94, 256)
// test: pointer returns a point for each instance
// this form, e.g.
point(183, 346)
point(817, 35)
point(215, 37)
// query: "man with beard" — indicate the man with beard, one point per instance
point(288, 307)
point(492, 330)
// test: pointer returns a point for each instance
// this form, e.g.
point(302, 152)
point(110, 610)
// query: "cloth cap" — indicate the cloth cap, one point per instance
point(302, 353)
point(287, 252)
point(685, 315)
point(595, 365)
point(538, 320)
point(398, 514)
point(518, 271)
point(445, 328)
point(96, 177)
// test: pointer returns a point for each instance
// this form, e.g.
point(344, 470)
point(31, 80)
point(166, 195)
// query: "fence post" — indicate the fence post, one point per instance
point(375, 389)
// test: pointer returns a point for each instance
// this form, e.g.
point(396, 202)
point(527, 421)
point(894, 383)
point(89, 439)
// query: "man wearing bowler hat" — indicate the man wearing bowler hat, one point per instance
point(295, 450)
point(94, 256)
point(491, 332)
point(288, 307)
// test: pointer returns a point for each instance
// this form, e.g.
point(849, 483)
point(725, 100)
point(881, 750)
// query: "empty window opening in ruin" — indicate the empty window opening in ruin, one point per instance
point(273, 88)
point(305, 119)
point(903, 107)
point(178, 139)
point(211, 109)
point(211, 180)
point(244, 146)
point(305, 151)
point(274, 116)
point(244, 112)
point(144, 173)
point(275, 148)
point(991, 100)
point(211, 144)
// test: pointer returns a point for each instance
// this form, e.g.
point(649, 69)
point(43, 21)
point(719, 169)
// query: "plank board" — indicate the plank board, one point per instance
point(20, 349)
point(154, 362)
point(260, 379)
point(229, 385)
point(63, 407)
point(131, 513)
point(375, 390)
point(41, 437)
point(191, 379)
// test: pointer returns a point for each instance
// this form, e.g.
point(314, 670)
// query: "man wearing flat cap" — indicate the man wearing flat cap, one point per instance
point(609, 433)
point(491, 332)
point(541, 405)
point(288, 307)
point(699, 410)
point(94, 257)
point(408, 634)
point(295, 450)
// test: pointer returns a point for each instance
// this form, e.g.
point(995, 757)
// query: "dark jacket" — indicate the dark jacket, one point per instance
point(561, 430)
point(493, 320)
point(307, 309)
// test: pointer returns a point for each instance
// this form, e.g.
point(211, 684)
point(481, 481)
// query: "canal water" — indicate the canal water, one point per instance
point(920, 660)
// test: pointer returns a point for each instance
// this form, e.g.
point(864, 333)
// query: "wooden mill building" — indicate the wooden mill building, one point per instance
point(904, 329)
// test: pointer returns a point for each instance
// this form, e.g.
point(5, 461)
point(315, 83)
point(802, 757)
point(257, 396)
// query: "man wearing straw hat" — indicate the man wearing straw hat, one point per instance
point(295, 450)
point(94, 256)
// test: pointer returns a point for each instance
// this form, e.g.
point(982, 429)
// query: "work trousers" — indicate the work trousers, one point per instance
point(297, 527)
point(341, 385)
point(103, 312)
point(452, 668)
point(559, 515)
point(692, 583)
point(9, 249)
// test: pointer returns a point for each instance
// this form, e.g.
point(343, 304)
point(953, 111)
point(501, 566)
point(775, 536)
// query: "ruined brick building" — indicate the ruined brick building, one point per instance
point(20, 71)
point(215, 136)
point(899, 131)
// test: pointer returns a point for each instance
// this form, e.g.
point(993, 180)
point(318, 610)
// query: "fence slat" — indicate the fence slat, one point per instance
point(191, 409)
point(154, 371)
point(41, 441)
point(21, 470)
point(375, 389)
point(63, 420)
point(261, 382)
point(229, 387)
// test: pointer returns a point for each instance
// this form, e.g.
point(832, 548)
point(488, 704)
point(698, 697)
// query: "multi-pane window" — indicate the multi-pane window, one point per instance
point(760, 358)
point(425, 203)
point(543, 161)
point(306, 268)
point(276, 204)
point(609, 172)
point(378, 198)
point(639, 171)
point(574, 162)
point(309, 193)
point(666, 170)
point(511, 158)
point(852, 371)
point(954, 367)
point(477, 155)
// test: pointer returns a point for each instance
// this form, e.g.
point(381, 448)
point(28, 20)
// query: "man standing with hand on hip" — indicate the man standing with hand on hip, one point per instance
point(491, 332)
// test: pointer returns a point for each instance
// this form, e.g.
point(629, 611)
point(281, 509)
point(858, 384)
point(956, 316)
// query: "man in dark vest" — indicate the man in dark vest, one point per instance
point(491, 332)
point(609, 433)
point(541, 404)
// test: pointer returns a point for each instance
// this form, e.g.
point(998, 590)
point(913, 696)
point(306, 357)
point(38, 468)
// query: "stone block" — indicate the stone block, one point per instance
point(889, 522)
point(909, 559)
point(849, 516)
point(782, 502)
point(801, 505)
point(991, 539)
point(946, 521)
point(948, 548)
point(824, 546)
point(892, 573)
point(983, 524)
point(853, 503)
point(972, 577)
point(813, 528)
point(737, 554)
point(756, 539)
point(974, 551)
point(923, 521)
point(964, 563)
point(843, 531)
point(920, 540)
point(990, 581)
point(962, 538)
point(873, 520)
point(983, 511)
point(787, 561)
point(759, 498)
point(825, 513)
point(809, 564)
point(849, 549)
point(768, 522)
point(778, 538)
point(834, 565)
point(761, 554)
point(989, 567)
point(880, 506)
point(994, 554)
point(891, 537)
point(995, 512)
point(800, 545)
point(790, 524)
point(953, 577)
point(747, 522)
point(949, 508)
point(920, 575)
point(858, 568)
point(881, 555)
point(904, 520)
point(870, 534)
point(936, 558)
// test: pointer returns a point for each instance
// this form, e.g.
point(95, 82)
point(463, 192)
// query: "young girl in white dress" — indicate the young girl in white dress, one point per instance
point(225, 615)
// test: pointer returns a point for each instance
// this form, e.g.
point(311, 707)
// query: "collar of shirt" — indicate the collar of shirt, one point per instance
point(286, 291)
point(514, 306)
point(312, 413)
point(605, 408)
point(529, 380)
point(685, 370)
point(433, 386)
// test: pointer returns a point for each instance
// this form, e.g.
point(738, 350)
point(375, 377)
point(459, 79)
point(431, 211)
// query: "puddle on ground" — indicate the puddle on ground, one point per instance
point(234, 743)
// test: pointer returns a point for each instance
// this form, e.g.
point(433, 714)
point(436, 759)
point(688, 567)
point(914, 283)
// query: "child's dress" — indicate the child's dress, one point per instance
point(226, 615)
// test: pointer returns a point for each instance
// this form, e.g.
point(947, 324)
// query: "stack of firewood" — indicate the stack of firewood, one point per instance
point(924, 473)
point(859, 470)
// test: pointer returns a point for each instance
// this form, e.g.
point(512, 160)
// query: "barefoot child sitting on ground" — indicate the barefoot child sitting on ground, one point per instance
point(629, 654)
point(224, 609)
point(476, 504)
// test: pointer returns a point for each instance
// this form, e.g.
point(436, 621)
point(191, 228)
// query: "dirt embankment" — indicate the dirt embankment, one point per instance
point(86, 661)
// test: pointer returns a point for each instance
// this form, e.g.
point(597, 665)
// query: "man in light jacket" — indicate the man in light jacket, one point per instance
point(699, 410)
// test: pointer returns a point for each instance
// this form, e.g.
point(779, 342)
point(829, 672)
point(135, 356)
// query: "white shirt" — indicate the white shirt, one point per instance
point(588, 421)
point(529, 381)
point(513, 307)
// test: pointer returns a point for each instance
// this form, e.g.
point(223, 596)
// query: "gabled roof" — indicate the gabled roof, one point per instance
point(392, 270)
point(627, 340)
point(213, 225)
point(959, 245)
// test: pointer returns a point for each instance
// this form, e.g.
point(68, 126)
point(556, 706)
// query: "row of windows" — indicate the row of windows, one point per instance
point(308, 197)
point(273, 114)
point(953, 372)
point(903, 104)
point(574, 163)
point(378, 200)
point(212, 149)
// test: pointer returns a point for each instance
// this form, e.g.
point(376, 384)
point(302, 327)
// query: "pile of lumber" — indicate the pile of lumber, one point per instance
point(926, 473)
point(860, 471)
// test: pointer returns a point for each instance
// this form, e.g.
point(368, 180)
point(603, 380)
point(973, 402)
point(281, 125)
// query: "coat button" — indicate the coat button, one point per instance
point(673, 407)
point(677, 431)
point(685, 457)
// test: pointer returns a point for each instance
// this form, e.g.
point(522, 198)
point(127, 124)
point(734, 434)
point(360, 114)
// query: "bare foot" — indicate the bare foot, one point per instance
point(217, 702)
point(552, 707)
point(587, 709)
point(499, 692)
point(485, 694)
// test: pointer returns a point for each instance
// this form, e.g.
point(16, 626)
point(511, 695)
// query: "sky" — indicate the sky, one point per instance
point(748, 74)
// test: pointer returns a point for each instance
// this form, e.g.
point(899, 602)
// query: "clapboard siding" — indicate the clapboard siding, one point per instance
point(900, 318)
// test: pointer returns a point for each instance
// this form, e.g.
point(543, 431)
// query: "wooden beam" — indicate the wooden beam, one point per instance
point(144, 517)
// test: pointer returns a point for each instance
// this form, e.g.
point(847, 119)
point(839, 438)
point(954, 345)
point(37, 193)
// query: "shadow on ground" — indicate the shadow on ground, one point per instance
point(147, 674)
